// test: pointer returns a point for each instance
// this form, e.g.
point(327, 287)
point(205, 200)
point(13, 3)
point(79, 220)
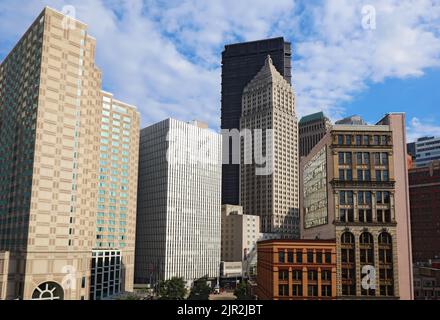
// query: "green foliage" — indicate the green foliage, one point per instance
point(130, 297)
point(173, 289)
point(243, 291)
point(200, 291)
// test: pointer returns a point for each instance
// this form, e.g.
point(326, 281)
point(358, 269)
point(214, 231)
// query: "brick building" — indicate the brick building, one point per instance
point(424, 191)
point(296, 270)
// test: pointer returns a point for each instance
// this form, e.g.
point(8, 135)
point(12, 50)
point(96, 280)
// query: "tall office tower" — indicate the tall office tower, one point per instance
point(354, 187)
point(50, 122)
point(424, 190)
point(179, 202)
point(427, 149)
point(114, 248)
point(240, 63)
point(312, 129)
point(269, 107)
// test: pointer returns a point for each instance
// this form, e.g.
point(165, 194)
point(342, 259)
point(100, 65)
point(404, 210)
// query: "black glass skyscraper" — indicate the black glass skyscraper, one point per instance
point(240, 63)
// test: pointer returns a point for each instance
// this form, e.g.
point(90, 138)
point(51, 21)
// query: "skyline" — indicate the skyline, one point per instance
point(177, 48)
point(94, 208)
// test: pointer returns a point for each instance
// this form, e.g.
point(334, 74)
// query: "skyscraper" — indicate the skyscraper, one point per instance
point(117, 198)
point(50, 123)
point(354, 187)
point(312, 129)
point(424, 190)
point(269, 108)
point(240, 63)
point(179, 203)
point(427, 149)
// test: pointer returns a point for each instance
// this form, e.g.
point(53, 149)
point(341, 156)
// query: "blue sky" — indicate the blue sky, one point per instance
point(172, 52)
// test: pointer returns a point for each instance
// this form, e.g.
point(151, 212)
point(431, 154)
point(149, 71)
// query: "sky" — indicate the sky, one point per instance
point(349, 56)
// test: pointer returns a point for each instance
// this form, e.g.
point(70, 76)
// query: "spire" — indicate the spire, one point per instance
point(268, 73)
point(268, 60)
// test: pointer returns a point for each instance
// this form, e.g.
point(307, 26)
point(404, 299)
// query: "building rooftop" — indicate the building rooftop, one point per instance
point(312, 117)
point(353, 120)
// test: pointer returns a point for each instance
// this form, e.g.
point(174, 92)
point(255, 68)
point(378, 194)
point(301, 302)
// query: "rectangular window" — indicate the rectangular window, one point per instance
point(312, 290)
point(281, 257)
point(283, 275)
point(283, 290)
point(299, 257)
point(290, 257)
point(328, 257)
point(340, 139)
point(309, 256)
point(366, 140)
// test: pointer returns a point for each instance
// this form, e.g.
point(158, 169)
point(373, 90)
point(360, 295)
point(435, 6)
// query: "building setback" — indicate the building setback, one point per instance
point(312, 129)
point(179, 203)
point(240, 63)
point(424, 190)
point(354, 188)
point(51, 108)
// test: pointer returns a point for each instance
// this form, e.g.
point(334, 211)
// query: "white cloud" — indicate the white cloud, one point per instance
point(422, 128)
point(164, 56)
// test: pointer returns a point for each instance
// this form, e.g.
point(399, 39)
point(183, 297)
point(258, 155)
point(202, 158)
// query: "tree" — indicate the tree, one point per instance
point(200, 290)
point(173, 289)
point(243, 291)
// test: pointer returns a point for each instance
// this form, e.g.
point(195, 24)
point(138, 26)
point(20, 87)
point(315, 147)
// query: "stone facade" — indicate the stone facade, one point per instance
point(269, 108)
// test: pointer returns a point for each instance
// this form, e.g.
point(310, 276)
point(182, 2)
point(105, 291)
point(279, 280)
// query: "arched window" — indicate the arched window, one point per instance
point(386, 270)
point(48, 291)
point(348, 272)
point(366, 252)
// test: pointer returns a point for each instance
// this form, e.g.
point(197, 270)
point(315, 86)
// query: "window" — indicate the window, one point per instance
point(366, 140)
point(347, 265)
point(312, 290)
point(299, 257)
point(283, 275)
point(365, 215)
point(281, 257)
point(297, 290)
point(326, 290)
point(376, 140)
point(346, 215)
point(340, 139)
point(297, 275)
point(345, 158)
point(347, 139)
point(326, 275)
point(386, 274)
point(283, 290)
point(318, 257)
point(358, 140)
point(290, 257)
point(312, 275)
point(328, 257)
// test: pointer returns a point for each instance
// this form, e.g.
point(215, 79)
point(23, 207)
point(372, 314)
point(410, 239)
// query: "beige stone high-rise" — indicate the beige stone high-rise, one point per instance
point(51, 110)
point(269, 104)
